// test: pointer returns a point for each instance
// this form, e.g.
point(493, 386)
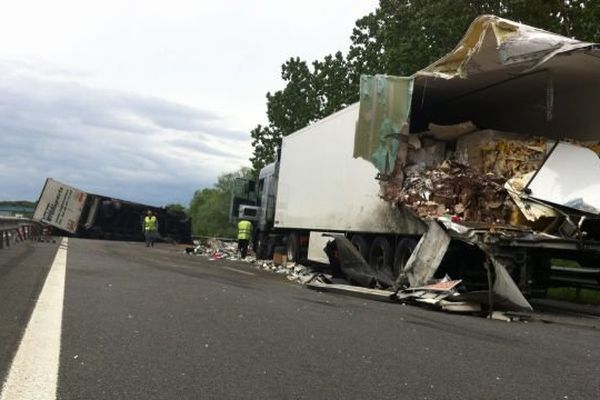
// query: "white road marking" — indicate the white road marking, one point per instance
point(238, 271)
point(33, 374)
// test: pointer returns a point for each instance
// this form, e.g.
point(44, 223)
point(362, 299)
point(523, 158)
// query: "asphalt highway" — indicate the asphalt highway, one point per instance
point(154, 323)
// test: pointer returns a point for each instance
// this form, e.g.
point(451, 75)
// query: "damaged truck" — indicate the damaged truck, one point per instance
point(80, 214)
point(488, 155)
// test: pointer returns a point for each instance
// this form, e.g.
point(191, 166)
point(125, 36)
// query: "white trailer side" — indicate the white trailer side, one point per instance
point(323, 187)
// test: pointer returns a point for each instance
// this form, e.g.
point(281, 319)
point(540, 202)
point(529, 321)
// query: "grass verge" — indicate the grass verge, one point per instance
point(585, 296)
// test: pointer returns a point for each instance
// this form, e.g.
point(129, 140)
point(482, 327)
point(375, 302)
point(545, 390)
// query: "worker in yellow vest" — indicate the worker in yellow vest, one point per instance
point(244, 235)
point(150, 228)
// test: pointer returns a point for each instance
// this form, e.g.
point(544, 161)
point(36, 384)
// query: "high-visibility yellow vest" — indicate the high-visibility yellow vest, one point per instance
point(244, 230)
point(150, 223)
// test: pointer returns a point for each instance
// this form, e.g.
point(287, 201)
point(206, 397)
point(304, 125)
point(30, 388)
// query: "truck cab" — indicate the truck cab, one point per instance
point(255, 201)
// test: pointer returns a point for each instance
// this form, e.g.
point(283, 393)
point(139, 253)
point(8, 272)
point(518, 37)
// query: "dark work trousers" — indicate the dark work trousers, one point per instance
point(150, 237)
point(243, 247)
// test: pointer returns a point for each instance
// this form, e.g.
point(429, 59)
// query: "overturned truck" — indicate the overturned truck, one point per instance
point(87, 215)
point(496, 143)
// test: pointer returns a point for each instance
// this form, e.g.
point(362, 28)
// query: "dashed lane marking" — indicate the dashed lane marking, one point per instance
point(33, 374)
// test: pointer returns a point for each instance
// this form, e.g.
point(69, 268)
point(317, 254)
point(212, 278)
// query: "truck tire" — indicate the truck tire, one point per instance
point(380, 256)
point(262, 246)
point(404, 249)
point(293, 248)
point(362, 245)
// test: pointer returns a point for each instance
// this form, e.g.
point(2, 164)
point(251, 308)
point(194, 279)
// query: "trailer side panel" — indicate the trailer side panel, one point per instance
point(323, 187)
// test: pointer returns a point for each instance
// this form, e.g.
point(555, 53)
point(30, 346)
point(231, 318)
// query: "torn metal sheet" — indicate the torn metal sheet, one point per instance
point(427, 256)
point(367, 293)
point(570, 177)
point(532, 211)
point(384, 107)
point(492, 42)
point(505, 287)
point(354, 267)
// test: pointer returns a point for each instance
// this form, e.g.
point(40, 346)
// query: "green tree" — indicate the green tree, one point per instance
point(332, 85)
point(296, 105)
point(209, 207)
point(176, 207)
point(265, 140)
point(209, 210)
point(225, 181)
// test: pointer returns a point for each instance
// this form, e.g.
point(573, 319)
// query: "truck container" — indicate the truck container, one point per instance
point(81, 214)
point(498, 142)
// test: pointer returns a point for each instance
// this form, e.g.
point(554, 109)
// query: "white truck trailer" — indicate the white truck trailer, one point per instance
point(317, 187)
point(518, 82)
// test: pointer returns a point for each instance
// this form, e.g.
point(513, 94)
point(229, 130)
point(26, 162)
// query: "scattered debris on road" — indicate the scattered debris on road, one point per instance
point(445, 294)
point(215, 249)
point(351, 274)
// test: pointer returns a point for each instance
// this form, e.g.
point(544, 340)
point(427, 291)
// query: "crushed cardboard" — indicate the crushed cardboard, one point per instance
point(478, 177)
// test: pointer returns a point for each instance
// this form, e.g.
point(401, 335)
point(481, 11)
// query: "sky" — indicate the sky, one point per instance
point(147, 100)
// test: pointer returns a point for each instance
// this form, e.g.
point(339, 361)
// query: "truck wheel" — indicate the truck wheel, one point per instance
point(293, 247)
point(380, 256)
point(362, 245)
point(262, 246)
point(404, 250)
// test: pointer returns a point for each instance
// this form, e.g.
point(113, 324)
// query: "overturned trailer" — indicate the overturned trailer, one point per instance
point(88, 215)
point(497, 143)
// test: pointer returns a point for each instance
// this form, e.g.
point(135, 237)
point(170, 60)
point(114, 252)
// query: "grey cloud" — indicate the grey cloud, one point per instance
point(202, 146)
point(58, 100)
point(119, 144)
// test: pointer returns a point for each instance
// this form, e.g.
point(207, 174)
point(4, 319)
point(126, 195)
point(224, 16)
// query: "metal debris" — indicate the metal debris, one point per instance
point(427, 256)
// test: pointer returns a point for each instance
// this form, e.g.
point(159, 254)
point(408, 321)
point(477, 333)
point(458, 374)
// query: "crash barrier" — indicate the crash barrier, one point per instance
point(14, 230)
point(588, 278)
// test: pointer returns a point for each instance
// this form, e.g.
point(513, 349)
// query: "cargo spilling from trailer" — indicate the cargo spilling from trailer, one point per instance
point(496, 144)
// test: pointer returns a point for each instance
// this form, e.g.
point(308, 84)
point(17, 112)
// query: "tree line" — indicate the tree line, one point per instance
point(398, 38)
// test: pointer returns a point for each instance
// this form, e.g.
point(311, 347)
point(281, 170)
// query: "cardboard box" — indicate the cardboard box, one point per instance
point(280, 259)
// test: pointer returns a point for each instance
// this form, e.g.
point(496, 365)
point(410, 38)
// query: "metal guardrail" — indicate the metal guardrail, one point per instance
point(576, 277)
point(14, 230)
